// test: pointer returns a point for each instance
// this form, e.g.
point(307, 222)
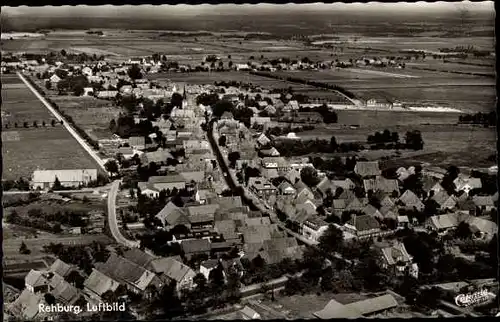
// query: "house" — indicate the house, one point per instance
point(291, 106)
point(207, 266)
point(411, 201)
point(171, 216)
point(345, 184)
point(444, 200)
point(381, 184)
point(271, 152)
point(466, 184)
point(263, 140)
point(396, 258)
point(148, 189)
point(44, 179)
point(247, 313)
point(260, 120)
point(168, 182)
point(196, 176)
point(379, 103)
point(36, 282)
point(87, 71)
point(134, 277)
point(137, 142)
point(313, 228)
point(261, 186)
point(174, 270)
point(285, 188)
point(64, 292)
point(367, 169)
point(442, 223)
point(202, 216)
point(107, 94)
point(192, 247)
point(26, 306)
point(372, 211)
point(88, 91)
point(54, 79)
point(324, 186)
point(360, 309)
point(485, 228)
point(61, 268)
point(484, 203)
point(363, 226)
point(278, 163)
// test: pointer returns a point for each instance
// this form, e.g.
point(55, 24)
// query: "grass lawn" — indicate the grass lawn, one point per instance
point(91, 114)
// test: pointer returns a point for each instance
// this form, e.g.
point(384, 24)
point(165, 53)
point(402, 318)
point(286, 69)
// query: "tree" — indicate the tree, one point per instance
point(200, 281)
point(331, 240)
point(309, 176)
point(176, 100)
point(333, 143)
point(111, 166)
point(463, 231)
point(222, 140)
point(134, 72)
point(220, 107)
point(49, 298)
point(230, 64)
point(63, 52)
point(233, 157)
point(35, 124)
point(414, 140)
point(53, 123)
point(57, 184)
point(25, 125)
point(216, 276)
point(23, 249)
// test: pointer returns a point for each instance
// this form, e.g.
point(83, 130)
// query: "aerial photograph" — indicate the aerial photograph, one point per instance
point(257, 161)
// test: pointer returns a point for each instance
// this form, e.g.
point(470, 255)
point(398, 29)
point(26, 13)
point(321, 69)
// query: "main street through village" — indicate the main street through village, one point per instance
point(112, 217)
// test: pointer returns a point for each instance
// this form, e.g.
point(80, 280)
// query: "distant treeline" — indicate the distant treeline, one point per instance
point(454, 72)
point(486, 119)
point(307, 82)
point(185, 34)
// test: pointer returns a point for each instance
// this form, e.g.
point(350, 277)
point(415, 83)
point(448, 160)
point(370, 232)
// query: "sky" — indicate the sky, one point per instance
point(226, 9)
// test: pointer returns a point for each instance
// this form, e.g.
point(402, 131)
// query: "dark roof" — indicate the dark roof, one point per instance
point(410, 199)
point(195, 246)
point(137, 256)
point(381, 184)
point(173, 215)
point(61, 268)
point(364, 222)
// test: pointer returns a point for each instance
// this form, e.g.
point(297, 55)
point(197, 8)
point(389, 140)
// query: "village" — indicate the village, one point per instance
point(209, 206)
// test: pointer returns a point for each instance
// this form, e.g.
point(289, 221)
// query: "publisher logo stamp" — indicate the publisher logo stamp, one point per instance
point(464, 300)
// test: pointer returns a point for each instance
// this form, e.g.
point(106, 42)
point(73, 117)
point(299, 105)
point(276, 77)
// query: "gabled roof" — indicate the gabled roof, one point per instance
point(167, 179)
point(483, 201)
point(367, 168)
point(345, 184)
point(172, 215)
point(126, 271)
point(392, 253)
point(61, 268)
point(76, 175)
point(228, 202)
point(410, 199)
point(324, 185)
point(65, 292)
point(365, 222)
point(137, 256)
point(35, 279)
point(381, 184)
point(285, 185)
point(336, 310)
point(172, 268)
point(196, 176)
point(371, 211)
point(195, 246)
point(99, 283)
point(25, 307)
point(440, 197)
point(444, 221)
point(373, 305)
point(355, 204)
point(483, 225)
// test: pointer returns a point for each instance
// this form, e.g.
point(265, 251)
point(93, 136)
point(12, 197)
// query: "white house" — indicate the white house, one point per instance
point(87, 71)
point(88, 91)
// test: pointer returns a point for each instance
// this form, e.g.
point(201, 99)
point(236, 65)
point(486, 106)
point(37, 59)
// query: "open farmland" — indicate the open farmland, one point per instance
point(463, 92)
point(27, 149)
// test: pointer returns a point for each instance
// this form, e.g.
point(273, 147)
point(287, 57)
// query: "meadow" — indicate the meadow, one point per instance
point(27, 149)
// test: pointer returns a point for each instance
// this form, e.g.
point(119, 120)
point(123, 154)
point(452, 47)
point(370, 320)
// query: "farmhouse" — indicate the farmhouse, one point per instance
point(379, 103)
point(44, 179)
point(367, 168)
point(261, 186)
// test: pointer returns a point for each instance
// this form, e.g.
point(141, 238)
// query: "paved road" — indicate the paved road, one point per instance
point(70, 129)
point(112, 219)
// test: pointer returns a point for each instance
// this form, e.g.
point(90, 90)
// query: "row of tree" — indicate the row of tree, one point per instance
point(486, 119)
point(34, 124)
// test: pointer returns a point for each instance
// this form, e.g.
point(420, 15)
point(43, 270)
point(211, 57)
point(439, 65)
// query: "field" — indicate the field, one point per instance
point(26, 149)
point(443, 144)
point(91, 114)
point(464, 92)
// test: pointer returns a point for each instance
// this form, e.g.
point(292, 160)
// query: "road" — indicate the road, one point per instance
point(250, 198)
point(70, 129)
point(113, 220)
